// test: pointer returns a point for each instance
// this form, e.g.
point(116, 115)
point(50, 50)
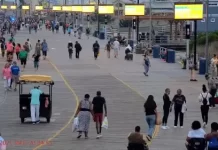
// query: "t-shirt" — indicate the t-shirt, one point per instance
point(6, 73)
point(98, 103)
point(15, 70)
point(206, 95)
point(35, 95)
point(23, 54)
point(196, 133)
point(9, 47)
point(150, 110)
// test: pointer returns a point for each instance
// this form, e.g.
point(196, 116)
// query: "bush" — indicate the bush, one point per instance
point(201, 39)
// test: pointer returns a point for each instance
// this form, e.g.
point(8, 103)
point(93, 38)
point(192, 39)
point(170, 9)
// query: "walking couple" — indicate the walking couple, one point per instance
point(87, 108)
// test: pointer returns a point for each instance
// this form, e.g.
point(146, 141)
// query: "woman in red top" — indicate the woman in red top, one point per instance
point(17, 50)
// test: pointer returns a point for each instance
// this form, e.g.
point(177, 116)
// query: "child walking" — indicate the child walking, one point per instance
point(6, 74)
point(36, 61)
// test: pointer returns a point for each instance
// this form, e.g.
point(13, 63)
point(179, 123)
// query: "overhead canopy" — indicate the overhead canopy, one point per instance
point(35, 78)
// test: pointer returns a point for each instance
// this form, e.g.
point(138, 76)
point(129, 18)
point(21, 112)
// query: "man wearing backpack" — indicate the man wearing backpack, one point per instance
point(212, 137)
point(204, 100)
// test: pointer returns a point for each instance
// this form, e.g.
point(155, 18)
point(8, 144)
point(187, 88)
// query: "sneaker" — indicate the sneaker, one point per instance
point(38, 121)
point(175, 126)
point(181, 127)
point(204, 124)
point(33, 123)
point(97, 136)
point(164, 127)
point(167, 127)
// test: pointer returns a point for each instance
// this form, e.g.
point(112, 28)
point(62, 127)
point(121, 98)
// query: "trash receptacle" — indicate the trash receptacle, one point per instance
point(202, 66)
point(156, 51)
point(101, 36)
point(171, 56)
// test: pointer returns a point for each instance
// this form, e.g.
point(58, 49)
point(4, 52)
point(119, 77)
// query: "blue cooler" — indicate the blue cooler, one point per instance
point(101, 36)
point(202, 66)
point(156, 51)
point(171, 55)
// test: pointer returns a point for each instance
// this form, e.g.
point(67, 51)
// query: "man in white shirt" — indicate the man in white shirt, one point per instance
point(116, 47)
point(29, 44)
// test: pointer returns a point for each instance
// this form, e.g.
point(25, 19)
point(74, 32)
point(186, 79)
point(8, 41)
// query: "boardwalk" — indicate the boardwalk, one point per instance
point(122, 84)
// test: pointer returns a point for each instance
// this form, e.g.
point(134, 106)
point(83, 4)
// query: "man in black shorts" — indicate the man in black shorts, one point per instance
point(98, 104)
point(23, 57)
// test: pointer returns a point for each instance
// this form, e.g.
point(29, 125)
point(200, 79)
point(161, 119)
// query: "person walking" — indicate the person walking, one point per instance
point(3, 46)
point(6, 75)
point(213, 89)
point(70, 49)
point(150, 108)
point(35, 104)
point(146, 64)
point(96, 48)
point(211, 137)
point(108, 49)
point(44, 49)
point(87, 32)
point(15, 71)
point(116, 47)
point(38, 48)
point(78, 48)
point(213, 66)
point(69, 30)
point(204, 100)
point(36, 61)
point(17, 50)
point(179, 101)
point(29, 44)
point(9, 47)
point(166, 108)
point(84, 112)
point(98, 104)
point(23, 58)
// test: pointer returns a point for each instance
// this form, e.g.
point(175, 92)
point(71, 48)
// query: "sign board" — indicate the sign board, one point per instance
point(134, 10)
point(88, 9)
point(4, 7)
point(27, 7)
point(106, 9)
point(38, 7)
point(188, 11)
point(77, 8)
point(56, 8)
point(13, 7)
point(67, 8)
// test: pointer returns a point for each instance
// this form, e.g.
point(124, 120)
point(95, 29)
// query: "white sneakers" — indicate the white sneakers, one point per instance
point(204, 125)
point(165, 127)
point(99, 136)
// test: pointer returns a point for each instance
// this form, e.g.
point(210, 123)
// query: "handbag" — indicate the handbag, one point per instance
point(184, 107)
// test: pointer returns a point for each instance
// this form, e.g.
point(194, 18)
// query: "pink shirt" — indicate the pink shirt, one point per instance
point(9, 47)
point(6, 72)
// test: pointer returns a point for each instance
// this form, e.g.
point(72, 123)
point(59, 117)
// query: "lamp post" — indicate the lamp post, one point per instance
point(150, 41)
point(206, 45)
point(137, 26)
point(98, 19)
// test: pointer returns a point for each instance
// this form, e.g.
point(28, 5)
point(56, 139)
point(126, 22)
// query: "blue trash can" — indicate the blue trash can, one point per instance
point(171, 56)
point(202, 66)
point(101, 36)
point(156, 51)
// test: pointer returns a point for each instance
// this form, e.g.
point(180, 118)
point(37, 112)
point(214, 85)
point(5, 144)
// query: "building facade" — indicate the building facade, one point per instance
point(212, 18)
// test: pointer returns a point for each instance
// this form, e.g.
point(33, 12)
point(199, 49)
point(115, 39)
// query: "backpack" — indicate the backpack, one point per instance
point(146, 62)
point(204, 99)
point(213, 143)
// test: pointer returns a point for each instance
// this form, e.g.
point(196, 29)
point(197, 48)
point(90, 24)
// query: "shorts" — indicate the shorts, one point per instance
point(15, 78)
point(98, 117)
point(23, 61)
point(44, 53)
point(36, 64)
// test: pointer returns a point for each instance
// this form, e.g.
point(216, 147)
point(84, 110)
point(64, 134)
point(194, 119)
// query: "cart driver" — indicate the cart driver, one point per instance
point(35, 104)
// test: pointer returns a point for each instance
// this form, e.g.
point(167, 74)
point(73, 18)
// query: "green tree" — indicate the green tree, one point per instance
point(201, 39)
